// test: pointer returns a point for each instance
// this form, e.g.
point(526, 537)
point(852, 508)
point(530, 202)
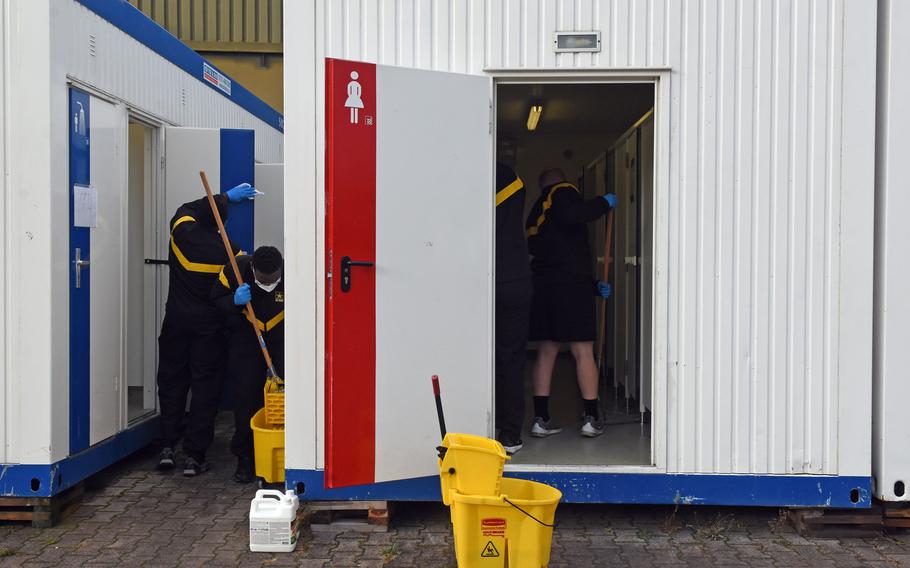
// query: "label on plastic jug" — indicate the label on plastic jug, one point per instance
point(273, 532)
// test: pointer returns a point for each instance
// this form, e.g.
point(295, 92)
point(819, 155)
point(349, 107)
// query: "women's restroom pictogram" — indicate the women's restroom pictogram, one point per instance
point(354, 102)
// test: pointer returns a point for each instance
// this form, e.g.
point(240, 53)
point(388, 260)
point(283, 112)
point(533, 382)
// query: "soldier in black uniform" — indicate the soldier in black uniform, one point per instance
point(562, 309)
point(191, 344)
point(513, 299)
point(246, 370)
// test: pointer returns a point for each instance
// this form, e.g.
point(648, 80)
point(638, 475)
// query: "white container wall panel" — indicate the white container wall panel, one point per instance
point(764, 222)
point(30, 232)
point(468, 36)
point(891, 420)
point(4, 143)
point(46, 44)
point(99, 54)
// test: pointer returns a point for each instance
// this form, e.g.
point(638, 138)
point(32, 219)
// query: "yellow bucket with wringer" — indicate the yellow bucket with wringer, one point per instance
point(496, 521)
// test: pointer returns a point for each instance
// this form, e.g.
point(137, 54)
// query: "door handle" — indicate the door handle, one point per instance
point(346, 264)
point(79, 264)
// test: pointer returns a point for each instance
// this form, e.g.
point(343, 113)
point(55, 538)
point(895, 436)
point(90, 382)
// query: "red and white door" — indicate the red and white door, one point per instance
point(409, 262)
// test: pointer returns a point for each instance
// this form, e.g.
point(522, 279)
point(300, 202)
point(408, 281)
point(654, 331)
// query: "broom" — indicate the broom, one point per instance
point(251, 316)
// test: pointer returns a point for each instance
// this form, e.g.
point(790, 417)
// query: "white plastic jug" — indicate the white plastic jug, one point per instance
point(273, 521)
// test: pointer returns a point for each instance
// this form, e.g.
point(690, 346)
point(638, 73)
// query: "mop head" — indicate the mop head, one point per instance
point(274, 384)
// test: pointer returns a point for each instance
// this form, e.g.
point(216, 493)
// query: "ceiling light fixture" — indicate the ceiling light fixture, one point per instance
point(534, 116)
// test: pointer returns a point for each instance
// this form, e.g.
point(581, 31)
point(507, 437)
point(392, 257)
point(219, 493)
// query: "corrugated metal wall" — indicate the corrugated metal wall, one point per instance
point(468, 36)
point(762, 335)
point(220, 25)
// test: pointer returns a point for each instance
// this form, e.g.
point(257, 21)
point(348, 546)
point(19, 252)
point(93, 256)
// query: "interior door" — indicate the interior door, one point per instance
point(625, 298)
point(646, 255)
point(409, 259)
point(269, 212)
point(227, 156)
point(98, 186)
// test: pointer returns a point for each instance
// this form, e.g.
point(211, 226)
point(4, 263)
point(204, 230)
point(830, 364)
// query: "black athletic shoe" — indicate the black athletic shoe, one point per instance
point(245, 472)
point(511, 446)
point(166, 459)
point(192, 468)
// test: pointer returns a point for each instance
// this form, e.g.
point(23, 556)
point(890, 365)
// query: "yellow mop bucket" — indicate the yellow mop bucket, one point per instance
point(471, 465)
point(497, 522)
point(268, 448)
point(510, 530)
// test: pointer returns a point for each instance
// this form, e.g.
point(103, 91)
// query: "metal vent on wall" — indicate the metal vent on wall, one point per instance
point(92, 45)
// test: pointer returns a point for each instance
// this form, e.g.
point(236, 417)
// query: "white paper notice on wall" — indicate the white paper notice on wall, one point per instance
point(85, 206)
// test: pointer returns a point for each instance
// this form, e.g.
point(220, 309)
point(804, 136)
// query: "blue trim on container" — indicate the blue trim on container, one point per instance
point(238, 159)
point(134, 23)
point(630, 488)
point(16, 479)
point(78, 123)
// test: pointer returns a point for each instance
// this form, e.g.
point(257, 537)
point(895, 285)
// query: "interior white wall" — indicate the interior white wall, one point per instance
point(536, 153)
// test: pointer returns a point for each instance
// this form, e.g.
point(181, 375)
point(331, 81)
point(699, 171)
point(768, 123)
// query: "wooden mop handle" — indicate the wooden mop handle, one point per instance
point(230, 253)
point(608, 245)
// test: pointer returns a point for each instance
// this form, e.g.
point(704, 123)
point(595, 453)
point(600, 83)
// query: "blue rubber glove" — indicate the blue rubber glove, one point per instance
point(241, 192)
point(604, 289)
point(242, 296)
point(611, 199)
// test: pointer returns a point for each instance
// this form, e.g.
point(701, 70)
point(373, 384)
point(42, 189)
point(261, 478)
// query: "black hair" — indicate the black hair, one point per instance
point(205, 217)
point(267, 259)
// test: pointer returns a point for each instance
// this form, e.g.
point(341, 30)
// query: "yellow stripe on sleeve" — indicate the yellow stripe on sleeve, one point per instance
point(546, 207)
point(508, 191)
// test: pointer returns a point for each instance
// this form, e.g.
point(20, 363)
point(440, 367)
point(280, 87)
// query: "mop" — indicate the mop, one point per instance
point(601, 333)
point(251, 316)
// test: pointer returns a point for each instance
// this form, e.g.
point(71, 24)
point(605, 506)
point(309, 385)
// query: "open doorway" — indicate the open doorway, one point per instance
point(142, 280)
point(602, 137)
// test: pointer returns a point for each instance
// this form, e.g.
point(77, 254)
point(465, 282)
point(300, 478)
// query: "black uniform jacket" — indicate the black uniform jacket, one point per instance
point(512, 262)
point(195, 259)
point(269, 309)
point(558, 236)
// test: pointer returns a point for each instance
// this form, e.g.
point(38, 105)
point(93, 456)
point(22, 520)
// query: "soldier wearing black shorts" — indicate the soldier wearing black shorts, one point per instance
point(562, 307)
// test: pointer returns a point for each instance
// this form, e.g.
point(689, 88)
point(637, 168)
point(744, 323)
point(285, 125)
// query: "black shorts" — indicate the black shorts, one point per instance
point(563, 312)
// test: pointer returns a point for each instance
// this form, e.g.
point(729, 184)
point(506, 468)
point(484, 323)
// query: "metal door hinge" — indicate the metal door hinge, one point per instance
point(632, 260)
point(491, 117)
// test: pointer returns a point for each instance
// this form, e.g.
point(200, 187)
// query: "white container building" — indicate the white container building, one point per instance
point(106, 121)
point(740, 137)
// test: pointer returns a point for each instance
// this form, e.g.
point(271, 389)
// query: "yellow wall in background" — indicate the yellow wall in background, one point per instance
point(266, 82)
point(240, 37)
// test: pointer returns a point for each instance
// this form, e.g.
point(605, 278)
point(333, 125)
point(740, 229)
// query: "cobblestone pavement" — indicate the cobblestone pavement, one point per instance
point(134, 516)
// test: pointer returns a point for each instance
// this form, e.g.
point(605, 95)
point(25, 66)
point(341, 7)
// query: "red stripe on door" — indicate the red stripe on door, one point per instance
point(350, 356)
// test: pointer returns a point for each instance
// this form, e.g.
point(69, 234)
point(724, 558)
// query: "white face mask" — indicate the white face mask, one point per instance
point(268, 287)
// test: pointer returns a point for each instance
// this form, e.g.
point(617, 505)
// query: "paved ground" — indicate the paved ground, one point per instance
point(133, 516)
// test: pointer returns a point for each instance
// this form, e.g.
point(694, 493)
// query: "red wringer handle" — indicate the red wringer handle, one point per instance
point(439, 414)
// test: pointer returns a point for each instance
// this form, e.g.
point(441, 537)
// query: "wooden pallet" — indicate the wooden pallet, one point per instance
point(896, 515)
point(42, 512)
point(337, 516)
point(832, 523)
